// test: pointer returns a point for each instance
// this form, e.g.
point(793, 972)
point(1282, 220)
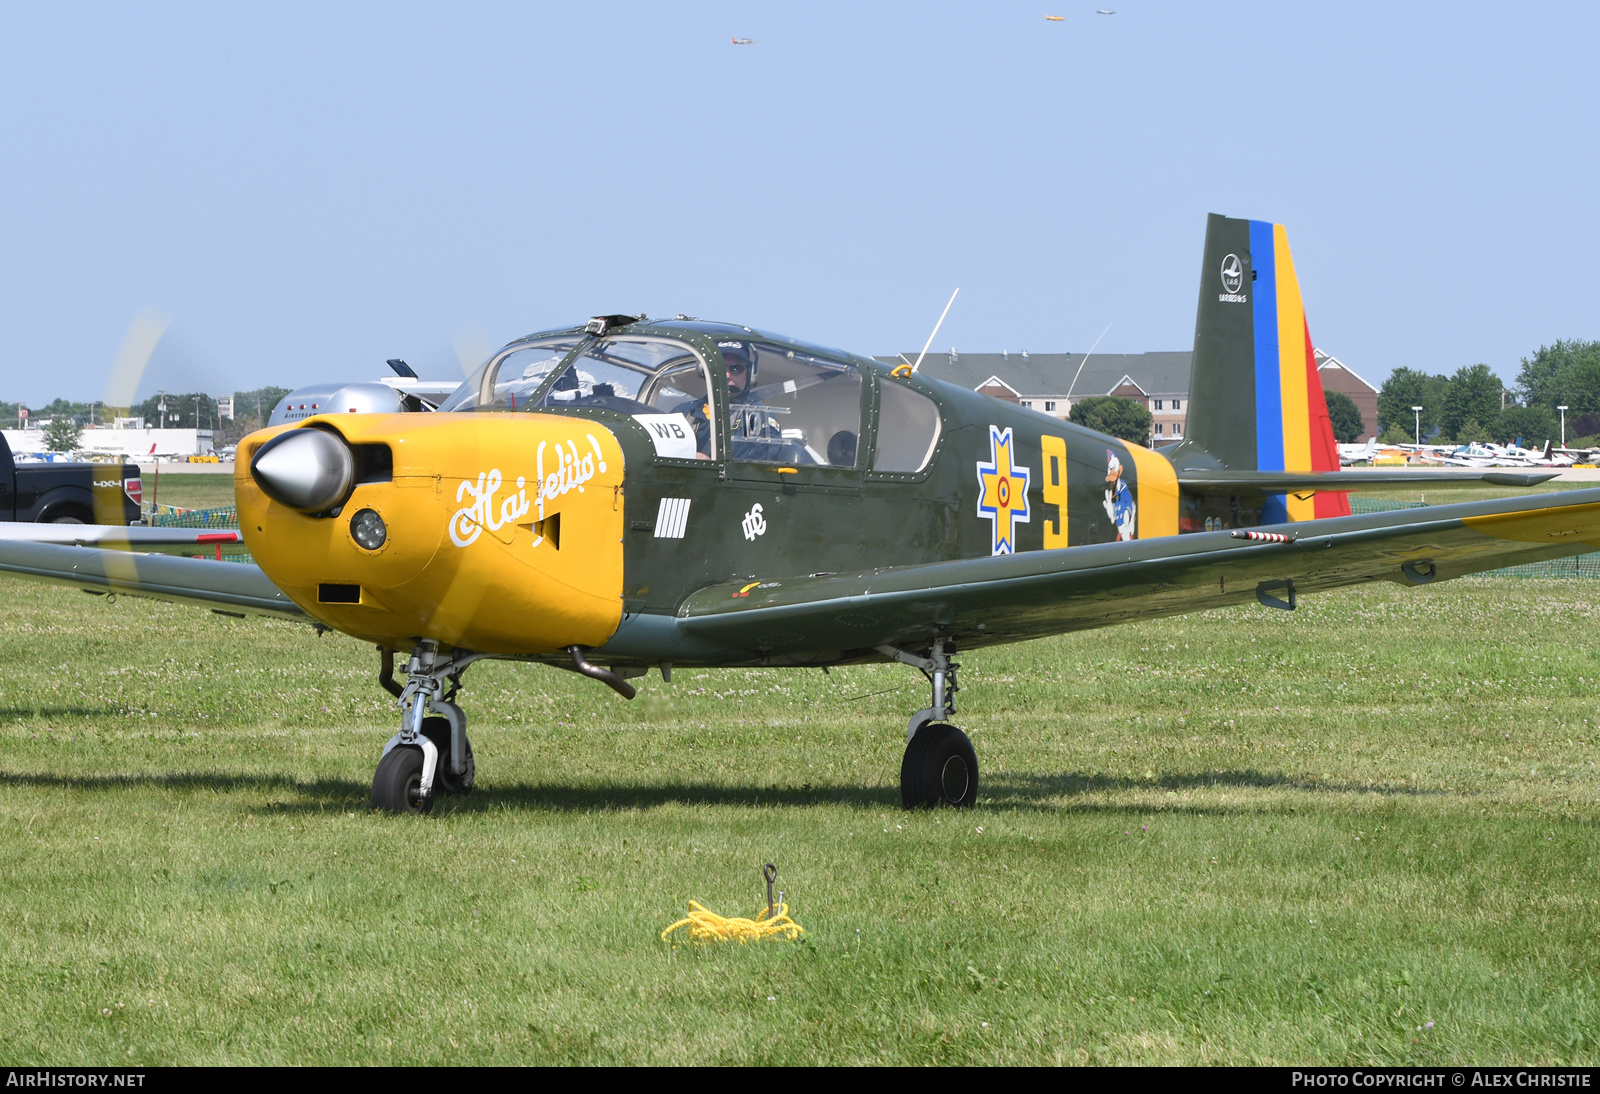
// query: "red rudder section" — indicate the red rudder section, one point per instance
point(1324, 451)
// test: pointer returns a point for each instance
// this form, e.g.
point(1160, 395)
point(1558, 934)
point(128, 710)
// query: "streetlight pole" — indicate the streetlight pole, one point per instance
point(1416, 412)
point(1563, 410)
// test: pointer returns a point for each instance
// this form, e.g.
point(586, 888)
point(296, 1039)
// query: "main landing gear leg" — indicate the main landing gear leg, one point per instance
point(940, 764)
point(431, 751)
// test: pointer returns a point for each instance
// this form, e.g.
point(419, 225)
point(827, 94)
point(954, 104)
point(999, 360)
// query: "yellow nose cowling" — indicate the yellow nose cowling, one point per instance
point(503, 532)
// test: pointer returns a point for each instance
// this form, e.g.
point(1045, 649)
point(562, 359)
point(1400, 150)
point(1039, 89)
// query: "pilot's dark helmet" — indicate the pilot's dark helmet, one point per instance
point(739, 353)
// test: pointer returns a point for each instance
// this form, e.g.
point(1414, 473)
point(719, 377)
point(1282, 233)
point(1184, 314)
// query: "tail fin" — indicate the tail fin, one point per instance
point(1255, 400)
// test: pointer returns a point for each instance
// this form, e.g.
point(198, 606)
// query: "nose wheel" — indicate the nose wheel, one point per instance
point(397, 784)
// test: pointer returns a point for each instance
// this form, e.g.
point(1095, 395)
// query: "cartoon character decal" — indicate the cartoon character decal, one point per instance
point(1002, 491)
point(1119, 499)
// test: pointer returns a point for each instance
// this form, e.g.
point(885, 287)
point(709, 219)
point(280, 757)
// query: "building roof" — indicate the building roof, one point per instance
point(1051, 374)
point(995, 381)
point(1328, 360)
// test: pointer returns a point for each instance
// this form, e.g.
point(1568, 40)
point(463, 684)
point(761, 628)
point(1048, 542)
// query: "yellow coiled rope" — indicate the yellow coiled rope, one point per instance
point(707, 926)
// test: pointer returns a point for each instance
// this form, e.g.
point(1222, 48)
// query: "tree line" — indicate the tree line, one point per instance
point(1130, 420)
point(1473, 405)
point(184, 410)
point(1470, 405)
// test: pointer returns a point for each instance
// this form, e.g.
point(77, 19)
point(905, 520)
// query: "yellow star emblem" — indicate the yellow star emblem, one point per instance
point(1003, 491)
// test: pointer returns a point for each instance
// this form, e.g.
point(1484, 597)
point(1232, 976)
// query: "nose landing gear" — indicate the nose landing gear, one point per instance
point(430, 752)
point(940, 764)
point(441, 731)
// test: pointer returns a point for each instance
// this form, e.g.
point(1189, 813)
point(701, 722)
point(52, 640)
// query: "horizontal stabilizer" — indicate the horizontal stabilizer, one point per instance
point(1207, 481)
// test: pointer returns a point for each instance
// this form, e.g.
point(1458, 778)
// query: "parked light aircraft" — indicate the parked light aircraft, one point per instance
point(403, 392)
point(1473, 454)
point(1357, 453)
point(630, 494)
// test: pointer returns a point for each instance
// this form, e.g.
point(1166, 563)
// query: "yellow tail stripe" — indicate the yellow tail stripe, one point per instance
point(1292, 372)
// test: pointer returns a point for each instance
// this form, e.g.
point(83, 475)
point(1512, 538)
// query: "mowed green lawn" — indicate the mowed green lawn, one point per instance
point(1247, 836)
point(187, 489)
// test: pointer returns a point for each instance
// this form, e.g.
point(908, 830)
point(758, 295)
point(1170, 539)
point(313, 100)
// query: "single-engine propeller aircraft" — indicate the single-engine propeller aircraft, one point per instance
point(631, 494)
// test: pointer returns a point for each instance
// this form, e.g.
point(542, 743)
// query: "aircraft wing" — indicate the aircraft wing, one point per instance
point(232, 588)
point(1290, 482)
point(166, 541)
point(1006, 598)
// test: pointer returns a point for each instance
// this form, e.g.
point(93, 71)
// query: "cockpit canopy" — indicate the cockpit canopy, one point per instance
point(783, 402)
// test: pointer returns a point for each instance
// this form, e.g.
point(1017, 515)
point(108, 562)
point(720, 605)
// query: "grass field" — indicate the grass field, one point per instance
point(188, 489)
point(1363, 832)
point(1449, 495)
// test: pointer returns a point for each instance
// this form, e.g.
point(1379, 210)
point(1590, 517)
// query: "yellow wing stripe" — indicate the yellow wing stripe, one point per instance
point(1580, 523)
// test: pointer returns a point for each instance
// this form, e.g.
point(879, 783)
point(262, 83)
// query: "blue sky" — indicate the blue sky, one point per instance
point(309, 189)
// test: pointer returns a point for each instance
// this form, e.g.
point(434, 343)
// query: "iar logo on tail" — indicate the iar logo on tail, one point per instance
point(1002, 491)
point(1232, 280)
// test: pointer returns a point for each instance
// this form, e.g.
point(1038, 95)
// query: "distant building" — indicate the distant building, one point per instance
point(130, 443)
point(1052, 382)
point(1337, 376)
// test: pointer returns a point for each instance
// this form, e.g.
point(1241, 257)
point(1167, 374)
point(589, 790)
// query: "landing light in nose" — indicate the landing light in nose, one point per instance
point(367, 529)
point(307, 469)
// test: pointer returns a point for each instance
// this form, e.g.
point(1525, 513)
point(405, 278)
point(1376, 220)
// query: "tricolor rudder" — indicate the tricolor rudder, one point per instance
point(1255, 400)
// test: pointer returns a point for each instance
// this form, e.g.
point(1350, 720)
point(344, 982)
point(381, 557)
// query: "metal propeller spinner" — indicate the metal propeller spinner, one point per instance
point(306, 469)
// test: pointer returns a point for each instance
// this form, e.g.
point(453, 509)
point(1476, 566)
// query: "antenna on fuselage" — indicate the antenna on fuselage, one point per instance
point(935, 333)
point(1085, 361)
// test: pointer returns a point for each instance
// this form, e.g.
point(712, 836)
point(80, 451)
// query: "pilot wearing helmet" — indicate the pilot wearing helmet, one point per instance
point(753, 432)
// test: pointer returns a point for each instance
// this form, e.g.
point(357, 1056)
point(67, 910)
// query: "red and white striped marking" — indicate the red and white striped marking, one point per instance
point(1260, 537)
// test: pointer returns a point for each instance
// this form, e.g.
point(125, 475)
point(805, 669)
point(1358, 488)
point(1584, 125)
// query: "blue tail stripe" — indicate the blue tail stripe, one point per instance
point(1269, 380)
point(1269, 397)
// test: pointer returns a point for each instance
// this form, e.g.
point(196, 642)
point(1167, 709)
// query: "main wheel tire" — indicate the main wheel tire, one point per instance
point(437, 730)
point(397, 784)
point(68, 520)
point(939, 766)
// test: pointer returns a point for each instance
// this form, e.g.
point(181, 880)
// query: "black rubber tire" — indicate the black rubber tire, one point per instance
point(397, 784)
point(67, 520)
point(940, 766)
point(437, 730)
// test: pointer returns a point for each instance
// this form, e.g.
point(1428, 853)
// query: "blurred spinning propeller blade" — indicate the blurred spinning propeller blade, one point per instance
point(472, 348)
point(137, 346)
